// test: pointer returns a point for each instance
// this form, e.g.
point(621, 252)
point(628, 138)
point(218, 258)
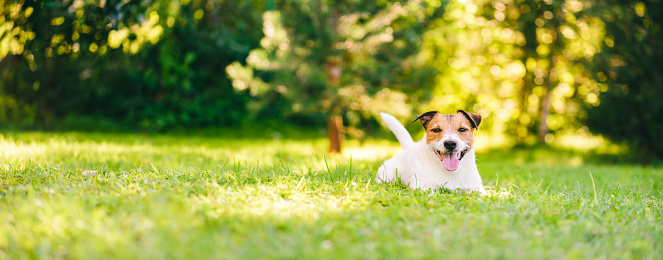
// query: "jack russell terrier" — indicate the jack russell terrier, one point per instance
point(443, 158)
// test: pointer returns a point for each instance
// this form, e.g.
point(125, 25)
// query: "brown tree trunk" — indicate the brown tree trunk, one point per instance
point(335, 134)
point(336, 130)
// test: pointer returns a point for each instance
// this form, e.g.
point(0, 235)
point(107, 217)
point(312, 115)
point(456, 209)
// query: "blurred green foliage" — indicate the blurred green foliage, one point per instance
point(353, 58)
point(631, 109)
point(518, 63)
point(535, 69)
point(147, 64)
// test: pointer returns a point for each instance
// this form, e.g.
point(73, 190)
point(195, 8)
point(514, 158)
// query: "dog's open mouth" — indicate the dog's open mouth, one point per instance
point(451, 161)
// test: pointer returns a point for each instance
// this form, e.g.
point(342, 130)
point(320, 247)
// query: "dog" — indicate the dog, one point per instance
point(444, 158)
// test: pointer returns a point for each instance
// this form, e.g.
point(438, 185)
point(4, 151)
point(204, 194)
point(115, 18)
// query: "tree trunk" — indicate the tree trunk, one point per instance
point(545, 104)
point(335, 134)
point(336, 130)
point(525, 91)
point(545, 112)
point(547, 82)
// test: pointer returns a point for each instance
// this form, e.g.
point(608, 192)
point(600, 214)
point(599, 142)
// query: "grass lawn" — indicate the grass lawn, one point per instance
point(89, 196)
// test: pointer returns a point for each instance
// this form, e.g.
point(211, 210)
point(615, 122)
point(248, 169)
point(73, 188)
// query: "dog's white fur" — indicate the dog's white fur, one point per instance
point(418, 167)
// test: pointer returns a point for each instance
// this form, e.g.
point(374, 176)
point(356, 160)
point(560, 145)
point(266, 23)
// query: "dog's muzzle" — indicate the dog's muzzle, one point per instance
point(450, 158)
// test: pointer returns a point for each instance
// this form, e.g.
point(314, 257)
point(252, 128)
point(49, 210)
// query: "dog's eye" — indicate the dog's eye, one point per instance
point(462, 129)
point(436, 130)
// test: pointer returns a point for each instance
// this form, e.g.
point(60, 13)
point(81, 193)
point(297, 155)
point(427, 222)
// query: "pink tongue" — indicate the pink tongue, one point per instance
point(449, 160)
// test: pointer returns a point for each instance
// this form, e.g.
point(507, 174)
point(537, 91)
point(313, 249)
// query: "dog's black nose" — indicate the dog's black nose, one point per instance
point(450, 145)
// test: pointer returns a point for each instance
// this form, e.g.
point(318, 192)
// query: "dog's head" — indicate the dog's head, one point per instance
point(450, 137)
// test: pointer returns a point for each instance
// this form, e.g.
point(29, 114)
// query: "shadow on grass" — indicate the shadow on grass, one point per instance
point(551, 156)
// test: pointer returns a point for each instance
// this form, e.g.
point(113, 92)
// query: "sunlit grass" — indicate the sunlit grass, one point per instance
point(586, 142)
point(76, 195)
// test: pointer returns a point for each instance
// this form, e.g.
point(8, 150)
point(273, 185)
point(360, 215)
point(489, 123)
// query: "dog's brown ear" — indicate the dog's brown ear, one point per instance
point(425, 117)
point(474, 118)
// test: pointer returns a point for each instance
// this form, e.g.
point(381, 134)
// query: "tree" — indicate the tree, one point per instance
point(630, 107)
point(338, 58)
point(516, 63)
point(147, 64)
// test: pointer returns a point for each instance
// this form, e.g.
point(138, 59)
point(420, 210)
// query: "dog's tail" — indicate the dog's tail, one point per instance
point(398, 129)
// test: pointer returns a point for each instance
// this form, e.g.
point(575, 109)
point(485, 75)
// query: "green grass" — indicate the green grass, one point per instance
point(162, 197)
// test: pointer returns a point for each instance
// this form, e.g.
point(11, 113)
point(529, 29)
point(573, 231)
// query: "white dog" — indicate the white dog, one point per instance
point(443, 158)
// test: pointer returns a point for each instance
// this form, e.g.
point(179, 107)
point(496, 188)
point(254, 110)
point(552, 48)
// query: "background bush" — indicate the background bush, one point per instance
point(631, 109)
point(536, 68)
